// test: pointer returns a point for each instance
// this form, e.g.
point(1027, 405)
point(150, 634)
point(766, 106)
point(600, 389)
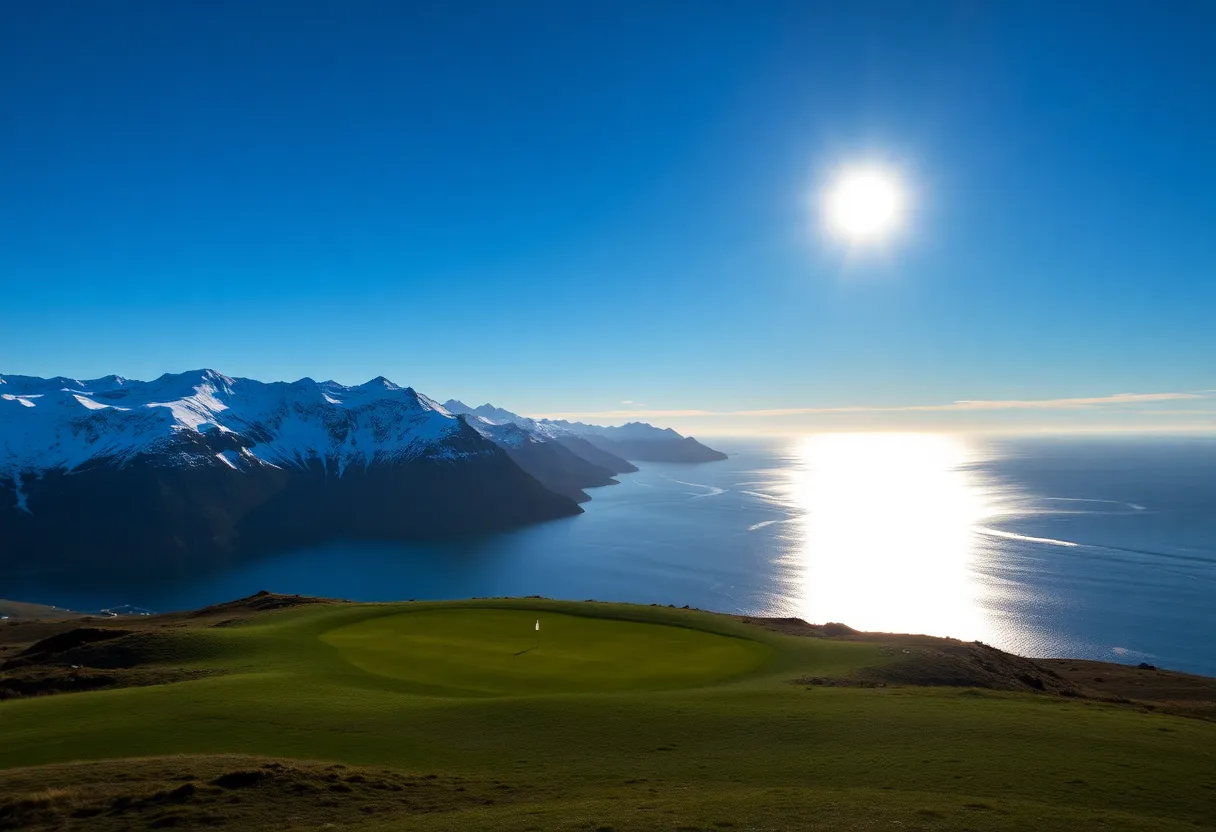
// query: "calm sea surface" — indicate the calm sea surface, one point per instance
point(1098, 548)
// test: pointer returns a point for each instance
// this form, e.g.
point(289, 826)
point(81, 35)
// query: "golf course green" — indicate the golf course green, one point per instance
point(459, 715)
point(501, 652)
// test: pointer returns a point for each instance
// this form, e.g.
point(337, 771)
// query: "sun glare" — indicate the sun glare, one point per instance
point(864, 205)
point(886, 540)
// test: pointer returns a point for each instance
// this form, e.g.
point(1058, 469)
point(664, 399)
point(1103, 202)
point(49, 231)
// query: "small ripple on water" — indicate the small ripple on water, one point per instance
point(1026, 538)
point(712, 491)
point(757, 526)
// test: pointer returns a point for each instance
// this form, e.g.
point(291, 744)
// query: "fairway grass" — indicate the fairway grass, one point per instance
point(500, 652)
point(625, 717)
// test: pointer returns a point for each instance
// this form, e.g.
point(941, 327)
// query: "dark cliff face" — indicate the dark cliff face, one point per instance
point(550, 461)
point(596, 456)
point(560, 469)
point(683, 449)
point(150, 516)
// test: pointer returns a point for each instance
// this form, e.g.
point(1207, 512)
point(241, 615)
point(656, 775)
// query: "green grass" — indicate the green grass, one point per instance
point(633, 718)
point(475, 652)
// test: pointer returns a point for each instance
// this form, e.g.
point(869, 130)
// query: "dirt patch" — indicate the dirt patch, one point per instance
point(258, 602)
point(232, 792)
point(1153, 688)
point(798, 627)
point(918, 660)
point(39, 658)
point(957, 664)
point(60, 643)
point(84, 659)
point(44, 681)
point(23, 611)
point(123, 649)
point(18, 635)
point(242, 779)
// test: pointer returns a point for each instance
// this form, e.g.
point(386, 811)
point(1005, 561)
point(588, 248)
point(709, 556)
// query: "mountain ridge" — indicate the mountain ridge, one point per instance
point(197, 467)
point(633, 441)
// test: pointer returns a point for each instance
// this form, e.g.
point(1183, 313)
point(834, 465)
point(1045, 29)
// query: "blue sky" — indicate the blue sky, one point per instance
point(562, 207)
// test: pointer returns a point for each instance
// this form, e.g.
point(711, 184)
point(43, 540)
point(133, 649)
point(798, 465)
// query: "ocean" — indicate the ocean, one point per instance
point(1101, 548)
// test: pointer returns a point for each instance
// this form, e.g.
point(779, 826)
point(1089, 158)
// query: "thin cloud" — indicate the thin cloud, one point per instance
point(965, 405)
point(626, 414)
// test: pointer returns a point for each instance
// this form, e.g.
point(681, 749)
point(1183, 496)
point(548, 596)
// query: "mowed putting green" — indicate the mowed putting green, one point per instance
point(500, 652)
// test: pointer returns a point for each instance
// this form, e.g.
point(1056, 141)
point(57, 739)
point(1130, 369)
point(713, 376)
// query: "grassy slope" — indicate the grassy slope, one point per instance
point(19, 610)
point(751, 750)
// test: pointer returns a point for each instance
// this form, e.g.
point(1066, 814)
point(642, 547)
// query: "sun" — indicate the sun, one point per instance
point(864, 205)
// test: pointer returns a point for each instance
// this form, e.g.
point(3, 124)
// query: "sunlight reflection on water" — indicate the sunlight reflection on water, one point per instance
point(1096, 547)
point(888, 532)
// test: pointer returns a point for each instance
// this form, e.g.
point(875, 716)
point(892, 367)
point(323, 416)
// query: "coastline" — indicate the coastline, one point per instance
point(910, 660)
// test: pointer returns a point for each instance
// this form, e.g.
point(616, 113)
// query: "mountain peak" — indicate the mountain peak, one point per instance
point(496, 414)
point(379, 383)
point(487, 411)
point(206, 374)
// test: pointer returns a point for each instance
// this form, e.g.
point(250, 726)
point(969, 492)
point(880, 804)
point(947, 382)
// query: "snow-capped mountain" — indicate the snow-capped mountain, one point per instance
point(206, 418)
point(196, 466)
point(640, 431)
point(636, 441)
point(562, 461)
point(639, 441)
point(488, 412)
point(556, 466)
point(203, 464)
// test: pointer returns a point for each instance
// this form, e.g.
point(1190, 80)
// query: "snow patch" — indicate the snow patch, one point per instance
point(278, 424)
point(504, 435)
point(89, 404)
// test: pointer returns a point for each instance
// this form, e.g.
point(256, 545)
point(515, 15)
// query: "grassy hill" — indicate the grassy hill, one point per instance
point(17, 610)
point(274, 712)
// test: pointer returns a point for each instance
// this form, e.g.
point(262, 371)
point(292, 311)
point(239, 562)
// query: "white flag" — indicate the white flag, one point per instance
point(538, 625)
